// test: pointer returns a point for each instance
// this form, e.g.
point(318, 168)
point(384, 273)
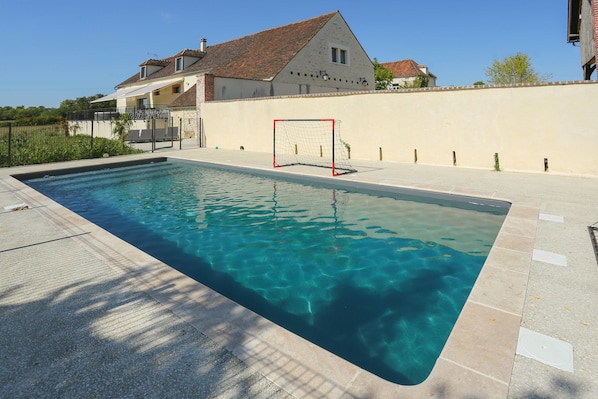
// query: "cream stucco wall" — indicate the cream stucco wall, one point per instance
point(523, 124)
point(100, 128)
point(228, 88)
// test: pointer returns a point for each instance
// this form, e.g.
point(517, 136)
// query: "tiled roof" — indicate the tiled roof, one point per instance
point(187, 99)
point(404, 68)
point(190, 53)
point(260, 56)
point(151, 61)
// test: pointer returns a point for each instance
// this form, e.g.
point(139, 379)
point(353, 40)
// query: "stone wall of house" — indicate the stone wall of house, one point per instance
point(528, 126)
point(186, 120)
point(307, 67)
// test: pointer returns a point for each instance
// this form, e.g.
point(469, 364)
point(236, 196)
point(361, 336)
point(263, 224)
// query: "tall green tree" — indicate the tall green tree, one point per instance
point(514, 69)
point(85, 103)
point(382, 76)
point(41, 115)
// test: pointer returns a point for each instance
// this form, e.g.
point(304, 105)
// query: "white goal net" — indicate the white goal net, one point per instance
point(313, 142)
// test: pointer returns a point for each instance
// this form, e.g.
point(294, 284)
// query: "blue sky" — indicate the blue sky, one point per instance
point(64, 49)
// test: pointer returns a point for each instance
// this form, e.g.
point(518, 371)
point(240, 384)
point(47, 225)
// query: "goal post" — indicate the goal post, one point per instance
point(312, 142)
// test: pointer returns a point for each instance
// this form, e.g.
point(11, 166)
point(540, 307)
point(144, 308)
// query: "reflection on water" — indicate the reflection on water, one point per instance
point(377, 280)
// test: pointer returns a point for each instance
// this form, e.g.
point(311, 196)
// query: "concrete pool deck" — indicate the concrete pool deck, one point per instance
point(84, 313)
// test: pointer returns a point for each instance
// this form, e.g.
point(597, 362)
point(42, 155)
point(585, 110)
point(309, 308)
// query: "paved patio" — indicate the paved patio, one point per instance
point(83, 313)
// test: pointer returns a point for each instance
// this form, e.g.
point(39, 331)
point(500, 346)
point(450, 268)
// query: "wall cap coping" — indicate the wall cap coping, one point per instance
point(419, 90)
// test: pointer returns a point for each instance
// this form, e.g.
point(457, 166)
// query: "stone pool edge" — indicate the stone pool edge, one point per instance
point(477, 359)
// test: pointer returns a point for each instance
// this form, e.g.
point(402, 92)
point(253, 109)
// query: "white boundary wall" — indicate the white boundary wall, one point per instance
point(100, 128)
point(524, 124)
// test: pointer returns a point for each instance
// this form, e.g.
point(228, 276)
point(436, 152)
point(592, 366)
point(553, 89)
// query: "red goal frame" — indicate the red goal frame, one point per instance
point(334, 142)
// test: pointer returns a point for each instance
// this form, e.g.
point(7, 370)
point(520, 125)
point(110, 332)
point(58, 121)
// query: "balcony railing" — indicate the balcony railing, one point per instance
point(148, 113)
point(92, 114)
point(107, 114)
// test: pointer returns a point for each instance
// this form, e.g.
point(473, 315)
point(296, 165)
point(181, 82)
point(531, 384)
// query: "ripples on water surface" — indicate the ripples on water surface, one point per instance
point(377, 280)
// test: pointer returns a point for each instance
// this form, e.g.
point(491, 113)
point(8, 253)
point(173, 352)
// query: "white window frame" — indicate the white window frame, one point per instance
point(338, 54)
point(344, 56)
point(179, 64)
point(143, 72)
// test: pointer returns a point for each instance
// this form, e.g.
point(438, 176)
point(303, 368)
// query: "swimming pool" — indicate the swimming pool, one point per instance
point(378, 278)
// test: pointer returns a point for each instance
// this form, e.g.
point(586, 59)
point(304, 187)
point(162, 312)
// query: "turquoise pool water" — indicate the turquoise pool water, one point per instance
point(376, 278)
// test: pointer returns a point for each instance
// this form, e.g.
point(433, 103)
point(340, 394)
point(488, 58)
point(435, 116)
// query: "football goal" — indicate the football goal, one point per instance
point(312, 142)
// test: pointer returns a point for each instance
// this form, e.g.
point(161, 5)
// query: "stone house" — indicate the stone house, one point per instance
point(317, 55)
point(405, 72)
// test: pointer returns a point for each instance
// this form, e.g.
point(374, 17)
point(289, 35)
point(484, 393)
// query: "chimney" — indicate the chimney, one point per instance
point(202, 45)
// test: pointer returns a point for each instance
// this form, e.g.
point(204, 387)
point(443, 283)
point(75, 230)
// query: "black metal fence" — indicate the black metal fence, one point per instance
point(162, 135)
point(27, 145)
point(593, 230)
point(93, 114)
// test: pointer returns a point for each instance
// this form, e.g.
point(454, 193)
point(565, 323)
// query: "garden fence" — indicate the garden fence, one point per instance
point(27, 145)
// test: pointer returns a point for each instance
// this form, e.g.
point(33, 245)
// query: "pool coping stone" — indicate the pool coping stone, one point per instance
point(479, 358)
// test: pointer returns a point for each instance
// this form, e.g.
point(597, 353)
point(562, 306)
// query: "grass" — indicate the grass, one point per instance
point(45, 144)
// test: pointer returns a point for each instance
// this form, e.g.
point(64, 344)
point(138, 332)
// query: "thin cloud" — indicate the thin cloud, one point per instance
point(167, 17)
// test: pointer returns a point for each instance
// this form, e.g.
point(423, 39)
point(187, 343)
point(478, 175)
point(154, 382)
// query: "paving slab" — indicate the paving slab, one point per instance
point(85, 314)
point(72, 325)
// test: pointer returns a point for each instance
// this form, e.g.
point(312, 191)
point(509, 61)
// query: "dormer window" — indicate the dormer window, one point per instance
point(178, 64)
point(186, 58)
point(151, 66)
